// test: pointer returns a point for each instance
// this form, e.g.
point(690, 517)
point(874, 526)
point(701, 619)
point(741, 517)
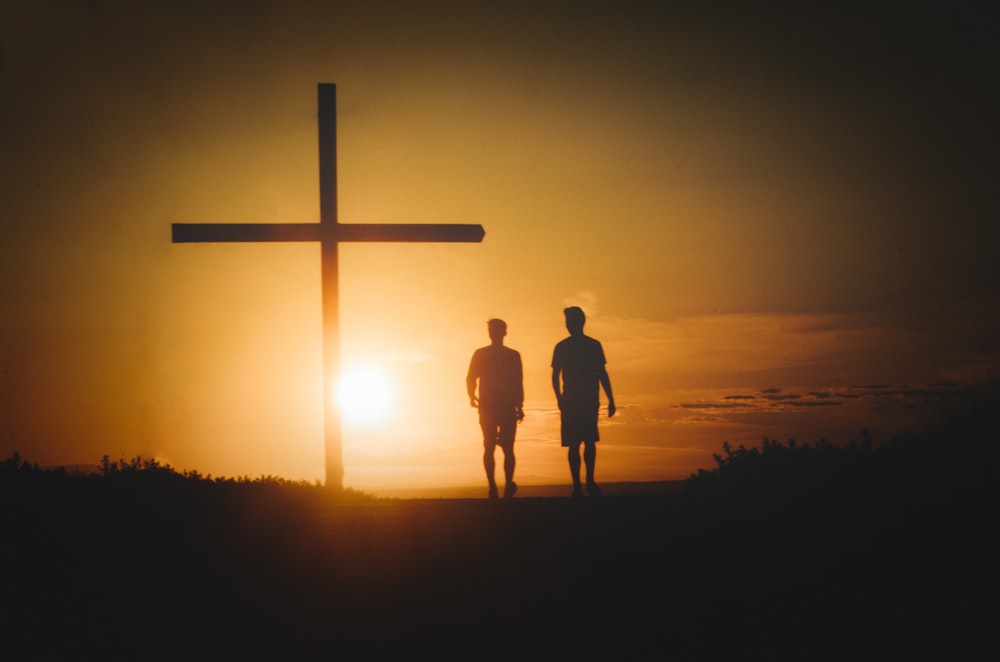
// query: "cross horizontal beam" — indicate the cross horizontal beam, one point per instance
point(337, 232)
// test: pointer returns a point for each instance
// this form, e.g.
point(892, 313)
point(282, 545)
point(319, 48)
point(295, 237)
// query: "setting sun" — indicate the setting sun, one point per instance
point(364, 395)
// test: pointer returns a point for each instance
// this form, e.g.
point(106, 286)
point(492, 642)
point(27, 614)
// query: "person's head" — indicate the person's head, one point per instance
point(497, 329)
point(575, 319)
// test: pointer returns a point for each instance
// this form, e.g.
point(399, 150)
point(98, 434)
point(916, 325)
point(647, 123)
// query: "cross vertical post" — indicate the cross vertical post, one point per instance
point(329, 232)
point(329, 265)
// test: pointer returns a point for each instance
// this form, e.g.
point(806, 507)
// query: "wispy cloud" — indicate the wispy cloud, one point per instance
point(862, 398)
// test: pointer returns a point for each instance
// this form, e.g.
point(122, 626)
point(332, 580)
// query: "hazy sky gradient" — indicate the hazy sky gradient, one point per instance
point(781, 219)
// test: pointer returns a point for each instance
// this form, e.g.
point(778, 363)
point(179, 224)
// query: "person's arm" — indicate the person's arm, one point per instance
point(557, 386)
point(606, 383)
point(520, 389)
point(470, 382)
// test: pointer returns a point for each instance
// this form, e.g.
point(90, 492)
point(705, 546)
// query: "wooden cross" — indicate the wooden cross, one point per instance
point(329, 232)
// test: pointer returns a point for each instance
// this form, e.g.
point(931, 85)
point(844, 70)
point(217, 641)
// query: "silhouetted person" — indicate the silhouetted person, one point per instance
point(499, 373)
point(578, 373)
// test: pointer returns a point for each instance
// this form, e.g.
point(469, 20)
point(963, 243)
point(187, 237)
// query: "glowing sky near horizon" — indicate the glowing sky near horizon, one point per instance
point(781, 222)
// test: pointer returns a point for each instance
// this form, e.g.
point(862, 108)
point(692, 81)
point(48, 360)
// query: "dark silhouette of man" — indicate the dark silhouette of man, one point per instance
point(578, 373)
point(500, 377)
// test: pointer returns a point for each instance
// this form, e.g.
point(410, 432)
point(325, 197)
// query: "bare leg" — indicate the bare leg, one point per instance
point(510, 487)
point(574, 467)
point(489, 463)
point(506, 441)
point(508, 465)
point(590, 458)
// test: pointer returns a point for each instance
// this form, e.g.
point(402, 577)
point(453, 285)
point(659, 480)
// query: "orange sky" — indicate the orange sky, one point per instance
point(779, 224)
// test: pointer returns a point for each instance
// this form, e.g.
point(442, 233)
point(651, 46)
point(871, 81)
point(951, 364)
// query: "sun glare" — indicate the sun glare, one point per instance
point(364, 395)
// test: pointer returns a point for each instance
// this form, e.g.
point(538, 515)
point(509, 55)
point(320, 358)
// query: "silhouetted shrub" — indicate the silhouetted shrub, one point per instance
point(777, 471)
point(953, 461)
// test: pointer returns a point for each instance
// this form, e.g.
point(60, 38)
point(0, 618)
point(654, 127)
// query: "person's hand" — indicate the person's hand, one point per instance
point(520, 413)
point(474, 401)
point(611, 409)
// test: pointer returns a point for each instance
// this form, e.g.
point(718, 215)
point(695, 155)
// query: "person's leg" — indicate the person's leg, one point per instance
point(574, 467)
point(590, 458)
point(508, 465)
point(508, 469)
point(506, 441)
point(489, 463)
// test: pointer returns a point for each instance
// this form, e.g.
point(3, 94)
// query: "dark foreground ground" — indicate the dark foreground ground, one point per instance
point(858, 556)
point(618, 578)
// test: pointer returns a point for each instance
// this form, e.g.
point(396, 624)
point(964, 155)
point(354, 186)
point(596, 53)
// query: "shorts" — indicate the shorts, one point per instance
point(579, 425)
point(498, 430)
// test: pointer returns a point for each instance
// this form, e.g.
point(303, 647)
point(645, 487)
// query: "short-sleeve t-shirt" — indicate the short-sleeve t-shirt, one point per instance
point(500, 375)
point(581, 360)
